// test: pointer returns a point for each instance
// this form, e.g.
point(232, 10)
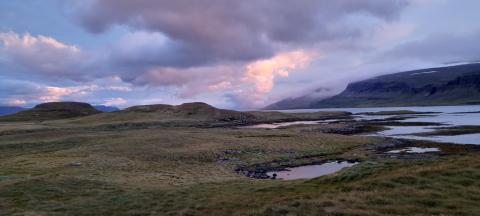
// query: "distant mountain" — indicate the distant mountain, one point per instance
point(7, 110)
point(52, 111)
point(452, 85)
point(106, 108)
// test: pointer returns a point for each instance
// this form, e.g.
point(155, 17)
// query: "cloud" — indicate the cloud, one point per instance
point(439, 48)
point(141, 49)
point(115, 102)
point(223, 85)
point(28, 93)
point(191, 82)
point(263, 72)
point(193, 32)
point(16, 102)
point(258, 76)
point(226, 46)
point(42, 55)
point(57, 93)
point(243, 53)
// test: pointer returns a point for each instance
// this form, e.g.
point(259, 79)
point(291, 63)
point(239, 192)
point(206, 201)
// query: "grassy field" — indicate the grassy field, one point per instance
point(68, 168)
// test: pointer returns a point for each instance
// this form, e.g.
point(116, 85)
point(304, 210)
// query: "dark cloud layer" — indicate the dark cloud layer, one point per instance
point(202, 32)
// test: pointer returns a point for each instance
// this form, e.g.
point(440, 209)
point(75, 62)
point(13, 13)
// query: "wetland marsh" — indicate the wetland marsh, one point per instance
point(181, 167)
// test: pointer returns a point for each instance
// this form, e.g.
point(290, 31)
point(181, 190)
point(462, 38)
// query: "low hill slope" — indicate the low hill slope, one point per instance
point(194, 114)
point(53, 111)
point(186, 114)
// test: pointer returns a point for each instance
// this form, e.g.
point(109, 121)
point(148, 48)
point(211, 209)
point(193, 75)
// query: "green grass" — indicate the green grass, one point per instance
point(191, 171)
point(371, 189)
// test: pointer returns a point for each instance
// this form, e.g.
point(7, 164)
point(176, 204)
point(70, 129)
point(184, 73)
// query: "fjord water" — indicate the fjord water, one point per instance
point(447, 115)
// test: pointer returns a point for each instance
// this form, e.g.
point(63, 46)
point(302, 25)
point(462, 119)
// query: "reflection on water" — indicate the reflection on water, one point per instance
point(473, 139)
point(450, 119)
point(311, 171)
point(414, 150)
point(372, 117)
point(285, 124)
point(448, 115)
point(405, 130)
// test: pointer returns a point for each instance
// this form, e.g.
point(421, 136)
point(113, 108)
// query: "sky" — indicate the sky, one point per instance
point(231, 54)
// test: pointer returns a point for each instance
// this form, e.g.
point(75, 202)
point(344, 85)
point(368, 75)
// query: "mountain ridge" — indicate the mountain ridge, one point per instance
point(450, 85)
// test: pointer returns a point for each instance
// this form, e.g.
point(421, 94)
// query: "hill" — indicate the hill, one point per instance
point(53, 111)
point(195, 114)
point(187, 114)
point(7, 110)
point(452, 85)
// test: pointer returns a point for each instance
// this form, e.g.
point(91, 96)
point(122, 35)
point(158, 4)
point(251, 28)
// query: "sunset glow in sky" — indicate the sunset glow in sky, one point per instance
point(231, 54)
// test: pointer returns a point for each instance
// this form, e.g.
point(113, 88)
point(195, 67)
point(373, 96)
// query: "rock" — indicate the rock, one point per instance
point(75, 164)
point(232, 151)
point(274, 176)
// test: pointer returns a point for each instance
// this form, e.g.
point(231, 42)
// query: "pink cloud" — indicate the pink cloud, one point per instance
point(220, 86)
point(52, 93)
point(191, 82)
point(41, 54)
point(57, 93)
point(16, 102)
point(262, 73)
point(115, 101)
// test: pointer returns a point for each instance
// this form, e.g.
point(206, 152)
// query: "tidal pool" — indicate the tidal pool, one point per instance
point(448, 115)
point(414, 150)
point(472, 139)
point(405, 130)
point(284, 124)
point(311, 171)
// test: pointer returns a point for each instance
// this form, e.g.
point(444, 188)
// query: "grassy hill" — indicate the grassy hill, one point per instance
point(193, 114)
point(53, 111)
point(54, 168)
point(182, 115)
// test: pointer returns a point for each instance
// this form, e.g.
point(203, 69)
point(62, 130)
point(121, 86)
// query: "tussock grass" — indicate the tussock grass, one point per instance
point(191, 171)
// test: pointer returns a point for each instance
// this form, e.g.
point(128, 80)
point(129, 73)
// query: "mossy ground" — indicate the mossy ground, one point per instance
point(53, 169)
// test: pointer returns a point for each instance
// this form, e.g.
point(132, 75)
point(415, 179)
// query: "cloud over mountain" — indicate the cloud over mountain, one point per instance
point(235, 53)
